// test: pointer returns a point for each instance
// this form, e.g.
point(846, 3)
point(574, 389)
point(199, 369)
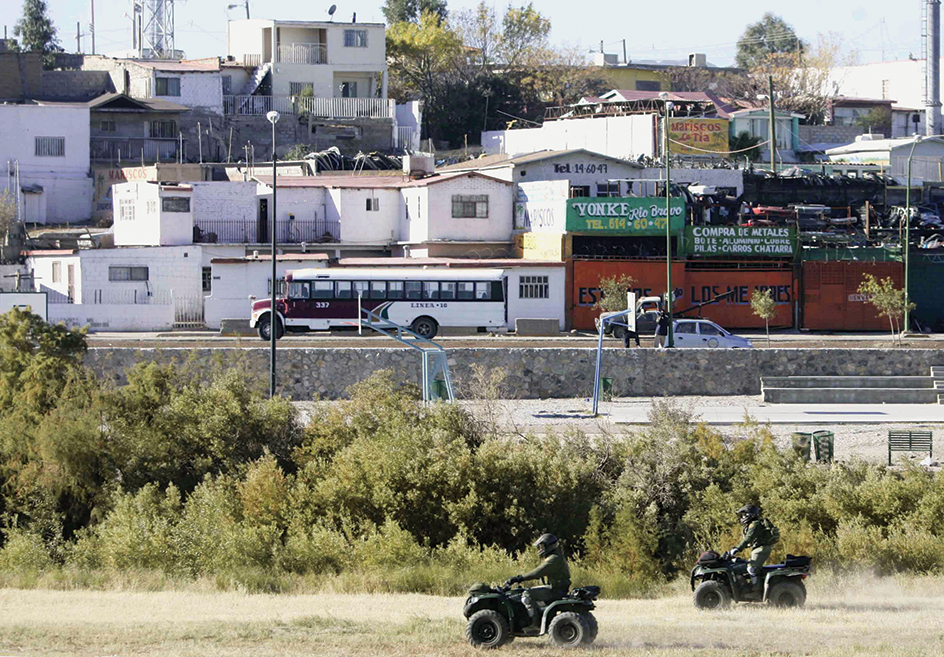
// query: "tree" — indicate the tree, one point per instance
point(524, 36)
point(889, 301)
point(613, 298)
point(770, 35)
point(762, 303)
point(410, 11)
point(878, 119)
point(7, 213)
point(746, 144)
point(478, 29)
point(36, 31)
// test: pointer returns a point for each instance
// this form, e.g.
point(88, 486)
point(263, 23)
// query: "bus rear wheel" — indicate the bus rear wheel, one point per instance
point(265, 326)
point(425, 327)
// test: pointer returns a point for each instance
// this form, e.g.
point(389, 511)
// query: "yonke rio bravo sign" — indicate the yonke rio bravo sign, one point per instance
point(694, 136)
point(624, 216)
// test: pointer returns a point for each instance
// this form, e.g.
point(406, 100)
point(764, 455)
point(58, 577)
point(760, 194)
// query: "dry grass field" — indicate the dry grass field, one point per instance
point(852, 616)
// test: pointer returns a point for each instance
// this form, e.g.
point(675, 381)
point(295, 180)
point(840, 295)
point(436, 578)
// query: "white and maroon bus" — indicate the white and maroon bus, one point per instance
point(422, 299)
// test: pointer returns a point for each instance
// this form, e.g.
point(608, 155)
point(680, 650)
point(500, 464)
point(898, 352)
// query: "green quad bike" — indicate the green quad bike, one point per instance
point(497, 615)
point(723, 578)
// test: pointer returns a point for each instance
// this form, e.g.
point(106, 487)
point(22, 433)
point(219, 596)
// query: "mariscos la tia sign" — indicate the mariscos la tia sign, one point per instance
point(624, 216)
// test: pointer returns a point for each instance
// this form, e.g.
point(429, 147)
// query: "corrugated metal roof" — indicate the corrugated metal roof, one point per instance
point(369, 182)
point(502, 160)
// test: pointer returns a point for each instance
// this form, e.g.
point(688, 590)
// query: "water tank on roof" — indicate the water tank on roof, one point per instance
point(698, 59)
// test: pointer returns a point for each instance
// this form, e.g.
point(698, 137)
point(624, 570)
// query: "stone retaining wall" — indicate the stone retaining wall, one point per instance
point(545, 373)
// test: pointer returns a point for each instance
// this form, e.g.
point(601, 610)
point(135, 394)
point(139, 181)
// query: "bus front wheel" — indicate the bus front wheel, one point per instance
point(265, 326)
point(425, 327)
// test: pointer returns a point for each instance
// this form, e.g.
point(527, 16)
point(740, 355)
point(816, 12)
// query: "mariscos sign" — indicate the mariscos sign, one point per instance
point(740, 240)
point(624, 216)
point(698, 136)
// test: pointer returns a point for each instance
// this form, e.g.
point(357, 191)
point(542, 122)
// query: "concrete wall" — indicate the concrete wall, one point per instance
point(900, 81)
point(550, 308)
point(360, 225)
point(67, 186)
point(580, 169)
point(199, 90)
point(621, 136)
point(20, 75)
point(114, 317)
point(443, 226)
point(829, 134)
point(42, 268)
point(551, 373)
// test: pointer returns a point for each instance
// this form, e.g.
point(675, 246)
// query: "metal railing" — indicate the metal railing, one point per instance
point(252, 60)
point(327, 108)
point(256, 231)
point(134, 150)
point(303, 53)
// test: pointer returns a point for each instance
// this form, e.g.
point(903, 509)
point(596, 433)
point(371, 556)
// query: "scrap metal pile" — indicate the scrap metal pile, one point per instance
point(331, 159)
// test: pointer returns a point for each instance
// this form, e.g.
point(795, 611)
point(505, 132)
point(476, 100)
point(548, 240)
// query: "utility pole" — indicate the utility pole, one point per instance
point(773, 125)
point(625, 58)
point(670, 332)
point(78, 37)
point(92, 23)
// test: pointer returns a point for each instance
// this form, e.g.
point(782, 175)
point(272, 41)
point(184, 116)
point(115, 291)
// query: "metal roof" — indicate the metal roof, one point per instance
point(502, 160)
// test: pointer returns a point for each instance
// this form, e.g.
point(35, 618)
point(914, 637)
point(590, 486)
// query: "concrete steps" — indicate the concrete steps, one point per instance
point(855, 389)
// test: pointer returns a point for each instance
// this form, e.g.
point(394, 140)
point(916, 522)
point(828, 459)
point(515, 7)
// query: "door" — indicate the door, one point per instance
point(685, 335)
point(711, 335)
point(262, 223)
point(71, 280)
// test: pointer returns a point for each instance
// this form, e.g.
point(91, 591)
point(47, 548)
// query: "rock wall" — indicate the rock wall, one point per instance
point(543, 373)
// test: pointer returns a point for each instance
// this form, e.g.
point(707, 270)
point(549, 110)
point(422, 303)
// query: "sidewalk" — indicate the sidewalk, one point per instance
point(800, 414)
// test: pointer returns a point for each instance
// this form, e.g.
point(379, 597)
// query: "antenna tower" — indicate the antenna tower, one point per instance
point(157, 17)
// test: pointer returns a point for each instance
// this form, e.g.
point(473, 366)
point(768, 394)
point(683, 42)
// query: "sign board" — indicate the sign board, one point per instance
point(751, 241)
point(624, 216)
point(542, 246)
point(695, 136)
point(34, 302)
point(539, 206)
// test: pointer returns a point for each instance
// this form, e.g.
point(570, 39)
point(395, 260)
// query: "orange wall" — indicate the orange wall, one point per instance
point(831, 299)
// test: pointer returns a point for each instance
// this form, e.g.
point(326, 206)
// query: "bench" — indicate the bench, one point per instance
point(909, 441)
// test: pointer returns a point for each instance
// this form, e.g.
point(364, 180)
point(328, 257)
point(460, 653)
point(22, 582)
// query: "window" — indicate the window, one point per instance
point(164, 129)
point(298, 88)
point(207, 278)
point(884, 89)
point(342, 290)
point(471, 207)
point(152, 207)
point(483, 291)
point(579, 191)
point(348, 90)
point(709, 329)
point(175, 204)
point(107, 126)
point(322, 290)
point(361, 289)
point(534, 287)
point(648, 85)
point(447, 290)
point(298, 290)
point(281, 290)
point(167, 87)
point(127, 273)
point(50, 146)
point(227, 85)
point(378, 290)
point(414, 290)
point(126, 209)
point(466, 290)
point(430, 290)
point(373, 204)
point(685, 327)
point(355, 38)
point(57, 272)
point(608, 189)
point(395, 290)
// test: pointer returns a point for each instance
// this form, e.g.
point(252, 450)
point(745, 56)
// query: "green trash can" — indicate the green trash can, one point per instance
point(801, 445)
point(823, 444)
point(606, 388)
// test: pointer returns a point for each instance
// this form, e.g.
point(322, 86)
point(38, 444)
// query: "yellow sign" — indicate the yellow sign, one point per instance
point(542, 246)
point(698, 136)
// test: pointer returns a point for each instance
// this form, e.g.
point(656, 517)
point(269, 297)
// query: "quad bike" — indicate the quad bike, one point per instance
point(497, 615)
point(723, 578)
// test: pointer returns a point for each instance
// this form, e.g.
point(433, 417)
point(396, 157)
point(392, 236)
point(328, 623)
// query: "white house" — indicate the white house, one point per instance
point(894, 153)
point(331, 60)
point(153, 214)
point(617, 136)
point(45, 147)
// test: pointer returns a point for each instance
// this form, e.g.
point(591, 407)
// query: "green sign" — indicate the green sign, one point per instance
point(623, 216)
point(740, 241)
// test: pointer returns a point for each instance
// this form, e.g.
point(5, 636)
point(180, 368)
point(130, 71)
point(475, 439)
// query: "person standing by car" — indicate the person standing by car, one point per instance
point(662, 329)
point(760, 535)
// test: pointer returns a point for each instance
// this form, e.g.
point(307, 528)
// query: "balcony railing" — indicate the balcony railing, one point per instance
point(326, 108)
point(240, 231)
point(134, 150)
point(303, 53)
point(252, 60)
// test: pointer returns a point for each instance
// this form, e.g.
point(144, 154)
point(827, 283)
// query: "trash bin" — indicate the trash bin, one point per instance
point(801, 445)
point(440, 390)
point(606, 388)
point(823, 444)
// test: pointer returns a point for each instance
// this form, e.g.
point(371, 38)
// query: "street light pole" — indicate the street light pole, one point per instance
point(274, 318)
point(906, 246)
point(670, 332)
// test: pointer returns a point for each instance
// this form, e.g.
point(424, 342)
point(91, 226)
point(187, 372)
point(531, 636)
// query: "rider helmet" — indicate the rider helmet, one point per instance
point(545, 544)
point(748, 514)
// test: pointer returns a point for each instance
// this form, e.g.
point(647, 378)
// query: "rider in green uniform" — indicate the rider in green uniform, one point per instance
point(554, 573)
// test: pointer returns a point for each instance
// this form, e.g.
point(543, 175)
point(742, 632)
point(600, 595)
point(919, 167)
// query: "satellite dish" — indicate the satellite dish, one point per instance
point(333, 9)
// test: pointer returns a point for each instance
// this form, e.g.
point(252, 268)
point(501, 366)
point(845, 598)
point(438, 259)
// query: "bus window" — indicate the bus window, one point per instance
point(466, 290)
point(483, 291)
point(361, 289)
point(414, 290)
point(447, 290)
point(298, 290)
point(378, 290)
point(395, 290)
point(343, 290)
point(322, 290)
point(430, 290)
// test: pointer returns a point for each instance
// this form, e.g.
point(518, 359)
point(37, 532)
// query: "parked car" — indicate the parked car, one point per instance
point(702, 333)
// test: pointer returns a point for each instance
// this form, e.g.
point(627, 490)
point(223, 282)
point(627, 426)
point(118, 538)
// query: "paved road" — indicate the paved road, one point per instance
point(799, 414)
